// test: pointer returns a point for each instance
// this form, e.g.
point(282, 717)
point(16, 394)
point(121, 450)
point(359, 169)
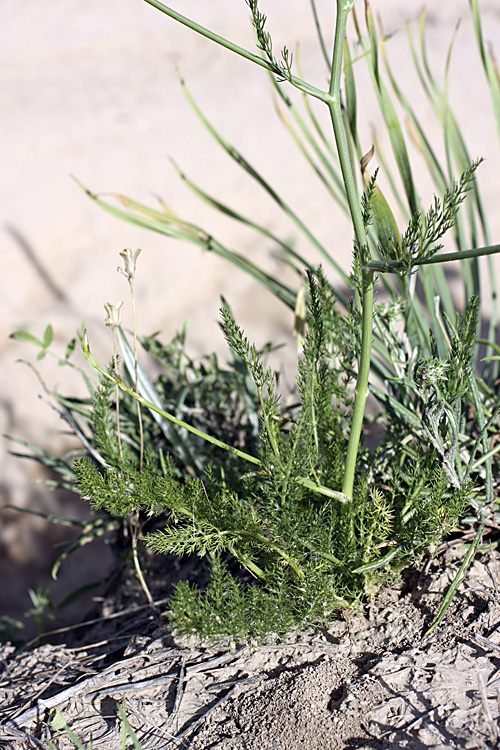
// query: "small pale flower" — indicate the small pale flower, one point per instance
point(130, 260)
point(113, 314)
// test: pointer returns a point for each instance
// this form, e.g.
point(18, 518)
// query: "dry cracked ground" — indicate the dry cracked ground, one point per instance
point(373, 680)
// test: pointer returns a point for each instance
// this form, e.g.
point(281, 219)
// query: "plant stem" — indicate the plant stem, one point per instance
point(136, 384)
point(361, 391)
point(134, 527)
point(307, 88)
point(117, 392)
point(366, 302)
point(396, 266)
point(459, 577)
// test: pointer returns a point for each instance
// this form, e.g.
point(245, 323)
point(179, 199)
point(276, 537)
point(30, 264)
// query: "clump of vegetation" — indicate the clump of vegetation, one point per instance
point(295, 517)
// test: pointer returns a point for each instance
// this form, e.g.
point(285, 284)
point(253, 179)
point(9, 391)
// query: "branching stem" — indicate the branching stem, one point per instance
point(396, 266)
point(307, 88)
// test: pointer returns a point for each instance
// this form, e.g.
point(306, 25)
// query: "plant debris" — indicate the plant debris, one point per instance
point(370, 680)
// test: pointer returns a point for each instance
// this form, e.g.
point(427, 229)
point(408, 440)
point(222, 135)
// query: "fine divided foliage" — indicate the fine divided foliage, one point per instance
point(283, 552)
point(295, 514)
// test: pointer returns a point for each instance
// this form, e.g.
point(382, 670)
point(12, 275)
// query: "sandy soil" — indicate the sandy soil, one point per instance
point(89, 89)
point(372, 681)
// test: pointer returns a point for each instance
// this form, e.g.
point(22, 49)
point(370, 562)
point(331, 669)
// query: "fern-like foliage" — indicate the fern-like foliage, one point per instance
point(280, 555)
point(103, 424)
point(282, 68)
point(421, 239)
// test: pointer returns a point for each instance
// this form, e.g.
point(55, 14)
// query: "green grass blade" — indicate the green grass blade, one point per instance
point(228, 211)
point(459, 578)
point(97, 527)
point(153, 407)
point(122, 711)
point(321, 38)
point(379, 563)
point(254, 174)
point(146, 388)
point(43, 457)
point(455, 147)
point(434, 284)
point(457, 152)
point(334, 185)
point(391, 119)
point(415, 58)
point(197, 236)
point(419, 135)
point(58, 722)
point(438, 98)
point(488, 60)
point(493, 78)
point(61, 520)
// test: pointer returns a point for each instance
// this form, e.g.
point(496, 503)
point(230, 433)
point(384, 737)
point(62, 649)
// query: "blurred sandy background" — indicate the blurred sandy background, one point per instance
point(89, 88)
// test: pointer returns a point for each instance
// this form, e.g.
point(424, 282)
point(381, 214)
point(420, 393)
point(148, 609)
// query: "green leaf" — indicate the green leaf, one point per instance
point(264, 184)
point(172, 226)
point(48, 336)
point(488, 60)
point(70, 348)
point(122, 710)
point(26, 337)
point(388, 233)
point(57, 720)
point(350, 93)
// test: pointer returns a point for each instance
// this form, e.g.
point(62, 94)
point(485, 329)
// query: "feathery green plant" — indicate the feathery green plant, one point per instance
point(296, 518)
point(307, 548)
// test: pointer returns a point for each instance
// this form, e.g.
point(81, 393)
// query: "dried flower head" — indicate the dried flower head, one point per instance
point(113, 314)
point(130, 260)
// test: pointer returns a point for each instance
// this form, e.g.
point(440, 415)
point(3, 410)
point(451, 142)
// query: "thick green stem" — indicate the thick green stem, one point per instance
point(397, 266)
point(366, 302)
point(361, 391)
